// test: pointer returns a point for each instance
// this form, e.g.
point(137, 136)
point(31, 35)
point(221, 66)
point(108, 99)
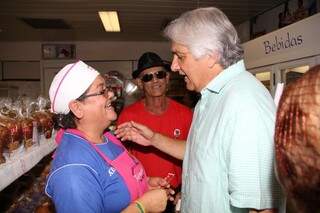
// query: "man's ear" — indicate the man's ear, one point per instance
point(212, 60)
point(135, 81)
point(139, 83)
point(76, 108)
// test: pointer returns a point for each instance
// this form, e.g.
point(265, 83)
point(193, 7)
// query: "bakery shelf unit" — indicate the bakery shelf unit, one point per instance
point(23, 160)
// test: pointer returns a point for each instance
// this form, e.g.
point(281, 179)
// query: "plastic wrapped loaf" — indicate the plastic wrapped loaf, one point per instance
point(297, 139)
point(10, 127)
point(43, 117)
point(4, 134)
point(24, 107)
point(44, 122)
point(14, 127)
point(27, 131)
point(19, 121)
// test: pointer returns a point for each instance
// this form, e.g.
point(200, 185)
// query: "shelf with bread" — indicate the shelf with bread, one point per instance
point(22, 160)
point(26, 136)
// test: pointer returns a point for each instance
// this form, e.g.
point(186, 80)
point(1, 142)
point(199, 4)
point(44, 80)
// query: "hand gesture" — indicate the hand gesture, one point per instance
point(135, 132)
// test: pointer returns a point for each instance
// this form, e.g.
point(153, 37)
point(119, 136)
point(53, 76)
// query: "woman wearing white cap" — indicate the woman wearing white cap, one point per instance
point(92, 171)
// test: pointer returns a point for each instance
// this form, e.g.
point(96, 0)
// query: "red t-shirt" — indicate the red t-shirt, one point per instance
point(174, 122)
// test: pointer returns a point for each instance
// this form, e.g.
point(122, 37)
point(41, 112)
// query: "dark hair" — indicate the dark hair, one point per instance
point(67, 121)
point(64, 121)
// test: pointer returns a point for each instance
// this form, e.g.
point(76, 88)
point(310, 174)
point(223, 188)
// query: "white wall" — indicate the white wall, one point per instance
point(120, 50)
point(106, 55)
point(20, 51)
point(86, 50)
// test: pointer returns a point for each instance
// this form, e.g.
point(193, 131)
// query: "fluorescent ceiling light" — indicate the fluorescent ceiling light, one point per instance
point(110, 21)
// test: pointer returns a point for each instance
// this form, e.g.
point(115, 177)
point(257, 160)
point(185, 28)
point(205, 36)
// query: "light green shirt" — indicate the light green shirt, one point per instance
point(228, 164)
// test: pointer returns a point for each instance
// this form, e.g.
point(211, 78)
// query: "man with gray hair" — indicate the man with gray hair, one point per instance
point(229, 155)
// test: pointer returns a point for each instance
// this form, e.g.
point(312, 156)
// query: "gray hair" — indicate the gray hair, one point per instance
point(206, 31)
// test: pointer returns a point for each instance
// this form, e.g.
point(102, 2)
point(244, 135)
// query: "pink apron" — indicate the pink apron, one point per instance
point(128, 166)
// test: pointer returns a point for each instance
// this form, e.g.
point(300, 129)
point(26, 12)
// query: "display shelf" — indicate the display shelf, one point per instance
point(22, 161)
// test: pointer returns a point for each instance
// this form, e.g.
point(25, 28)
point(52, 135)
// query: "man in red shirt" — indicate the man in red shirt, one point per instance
point(159, 113)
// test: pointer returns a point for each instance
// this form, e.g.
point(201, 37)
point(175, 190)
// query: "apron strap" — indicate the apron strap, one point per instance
point(114, 139)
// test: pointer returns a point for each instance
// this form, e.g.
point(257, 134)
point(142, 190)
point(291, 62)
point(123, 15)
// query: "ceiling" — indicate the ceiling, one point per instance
point(140, 20)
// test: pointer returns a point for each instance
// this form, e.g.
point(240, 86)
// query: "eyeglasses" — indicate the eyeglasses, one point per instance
point(159, 75)
point(102, 92)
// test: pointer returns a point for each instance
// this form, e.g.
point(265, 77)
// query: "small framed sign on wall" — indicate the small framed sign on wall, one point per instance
point(58, 51)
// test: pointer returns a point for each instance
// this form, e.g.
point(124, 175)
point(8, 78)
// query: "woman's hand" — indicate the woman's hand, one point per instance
point(135, 132)
point(159, 182)
point(154, 200)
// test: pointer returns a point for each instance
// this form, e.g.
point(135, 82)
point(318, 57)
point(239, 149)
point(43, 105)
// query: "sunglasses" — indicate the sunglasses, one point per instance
point(102, 92)
point(159, 75)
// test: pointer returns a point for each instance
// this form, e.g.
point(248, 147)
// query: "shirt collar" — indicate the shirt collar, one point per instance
point(217, 83)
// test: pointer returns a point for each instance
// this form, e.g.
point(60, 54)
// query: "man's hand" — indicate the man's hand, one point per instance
point(135, 132)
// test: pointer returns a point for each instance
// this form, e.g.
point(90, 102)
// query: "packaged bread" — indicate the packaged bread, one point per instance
point(7, 109)
point(4, 134)
point(25, 107)
point(43, 117)
point(44, 123)
point(14, 127)
point(27, 131)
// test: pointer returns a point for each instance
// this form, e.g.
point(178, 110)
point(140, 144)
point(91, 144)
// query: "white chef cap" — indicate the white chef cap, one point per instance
point(69, 84)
